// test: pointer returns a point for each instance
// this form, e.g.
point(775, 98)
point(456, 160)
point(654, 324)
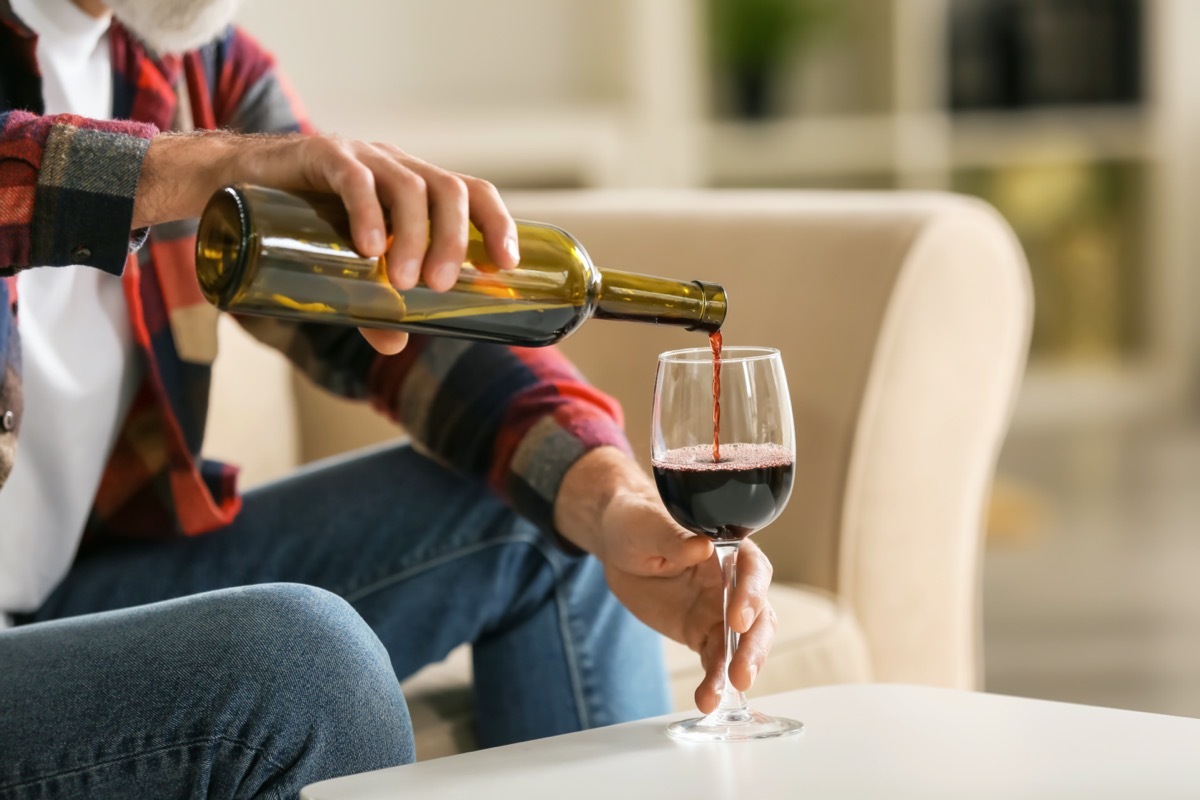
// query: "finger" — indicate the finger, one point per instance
point(749, 595)
point(703, 614)
point(354, 182)
point(712, 658)
point(752, 650)
point(496, 225)
point(406, 196)
point(387, 342)
point(449, 217)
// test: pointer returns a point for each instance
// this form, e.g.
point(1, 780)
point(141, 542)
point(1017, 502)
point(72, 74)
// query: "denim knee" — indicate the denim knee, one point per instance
point(254, 691)
point(313, 667)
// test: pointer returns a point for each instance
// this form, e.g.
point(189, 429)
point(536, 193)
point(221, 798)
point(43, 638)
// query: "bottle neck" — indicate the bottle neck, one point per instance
point(643, 298)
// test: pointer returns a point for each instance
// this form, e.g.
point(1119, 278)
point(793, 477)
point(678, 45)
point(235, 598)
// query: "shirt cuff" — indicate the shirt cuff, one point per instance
point(549, 449)
point(83, 207)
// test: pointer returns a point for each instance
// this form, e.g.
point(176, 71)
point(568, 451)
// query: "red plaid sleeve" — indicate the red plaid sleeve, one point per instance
point(67, 186)
point(521, 417)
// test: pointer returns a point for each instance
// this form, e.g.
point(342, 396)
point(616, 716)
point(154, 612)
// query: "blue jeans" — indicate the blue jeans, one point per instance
point(150, 673)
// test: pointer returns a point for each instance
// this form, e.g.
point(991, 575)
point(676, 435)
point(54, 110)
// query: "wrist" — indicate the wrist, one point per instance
point(179, 174)
point(589, 489)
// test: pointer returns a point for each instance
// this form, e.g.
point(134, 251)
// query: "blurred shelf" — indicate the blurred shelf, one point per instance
point(1050, 136)
point(558, 147)
point(1065, 395)
point(800, 146)
point(871, 144)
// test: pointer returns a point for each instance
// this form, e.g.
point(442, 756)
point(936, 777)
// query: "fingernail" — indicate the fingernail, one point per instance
point(747, 617)
point(444, 273)
point(513, 249)
point(753, 673)
point(409, 272)
point(375, 241)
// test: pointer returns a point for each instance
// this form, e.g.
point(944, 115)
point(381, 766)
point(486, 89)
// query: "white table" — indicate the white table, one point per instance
point(859, 741)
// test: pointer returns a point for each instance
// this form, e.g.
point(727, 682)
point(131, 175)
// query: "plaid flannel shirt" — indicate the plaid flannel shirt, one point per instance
point(516, 418)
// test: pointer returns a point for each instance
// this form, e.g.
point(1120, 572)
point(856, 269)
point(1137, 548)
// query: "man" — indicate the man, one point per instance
point(171, 638)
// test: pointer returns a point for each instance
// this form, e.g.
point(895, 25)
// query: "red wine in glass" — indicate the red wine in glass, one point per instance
point(725, 500)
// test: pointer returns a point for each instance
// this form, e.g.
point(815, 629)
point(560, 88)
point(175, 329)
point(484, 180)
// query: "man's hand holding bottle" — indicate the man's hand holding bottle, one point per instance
point(426, 208)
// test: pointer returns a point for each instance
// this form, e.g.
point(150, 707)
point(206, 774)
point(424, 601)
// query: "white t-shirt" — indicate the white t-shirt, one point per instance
point(80, 369)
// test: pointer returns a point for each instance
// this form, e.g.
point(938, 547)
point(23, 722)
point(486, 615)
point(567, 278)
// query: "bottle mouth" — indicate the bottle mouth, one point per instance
point(713, 307)
point(222, 244)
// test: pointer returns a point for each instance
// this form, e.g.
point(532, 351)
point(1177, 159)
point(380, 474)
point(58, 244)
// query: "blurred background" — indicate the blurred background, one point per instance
point(1078, 119)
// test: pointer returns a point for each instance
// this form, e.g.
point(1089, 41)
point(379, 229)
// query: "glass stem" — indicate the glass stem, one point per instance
point(733, 702)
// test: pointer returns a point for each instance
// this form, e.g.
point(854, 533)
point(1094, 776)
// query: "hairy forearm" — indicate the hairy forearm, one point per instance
point(179, 173)
point(587, 490)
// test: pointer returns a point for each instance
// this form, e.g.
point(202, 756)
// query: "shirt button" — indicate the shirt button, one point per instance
point(8, 421)
point(81, 254)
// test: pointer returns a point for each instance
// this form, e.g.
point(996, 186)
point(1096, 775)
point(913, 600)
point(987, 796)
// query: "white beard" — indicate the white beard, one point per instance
point(174, 26)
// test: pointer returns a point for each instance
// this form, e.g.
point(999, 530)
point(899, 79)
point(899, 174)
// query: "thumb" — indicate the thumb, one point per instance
point(387, 342)
point(643, 539)
point(685, 549)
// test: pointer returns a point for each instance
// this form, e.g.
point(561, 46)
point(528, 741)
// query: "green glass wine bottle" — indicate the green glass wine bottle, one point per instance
point(286, 254)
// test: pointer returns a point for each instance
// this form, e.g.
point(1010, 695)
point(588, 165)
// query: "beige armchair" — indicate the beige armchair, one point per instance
point(903, 319)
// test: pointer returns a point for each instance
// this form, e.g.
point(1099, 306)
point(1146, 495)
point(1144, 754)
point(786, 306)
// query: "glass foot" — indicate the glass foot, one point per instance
point(733, 726)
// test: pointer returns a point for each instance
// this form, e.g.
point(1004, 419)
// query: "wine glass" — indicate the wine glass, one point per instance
point(743, 397)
